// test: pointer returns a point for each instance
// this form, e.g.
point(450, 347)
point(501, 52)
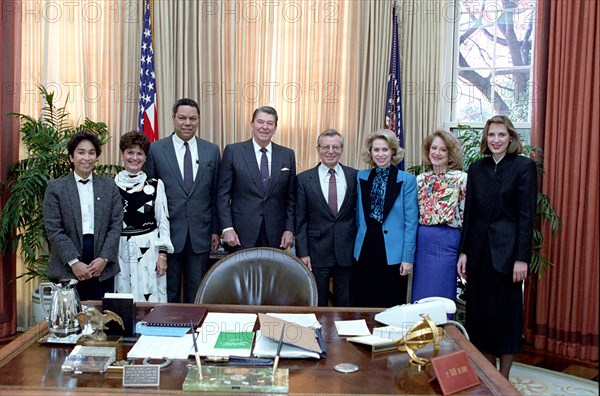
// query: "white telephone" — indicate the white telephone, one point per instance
point(407, 315)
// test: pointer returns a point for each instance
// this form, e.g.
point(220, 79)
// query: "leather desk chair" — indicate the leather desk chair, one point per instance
point(258, 276)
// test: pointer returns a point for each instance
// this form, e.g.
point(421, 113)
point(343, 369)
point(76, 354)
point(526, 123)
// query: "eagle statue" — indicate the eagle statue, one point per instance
point(98, 321)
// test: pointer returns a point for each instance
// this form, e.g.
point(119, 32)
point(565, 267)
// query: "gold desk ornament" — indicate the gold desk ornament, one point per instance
point(98, 321)
point(419, 336)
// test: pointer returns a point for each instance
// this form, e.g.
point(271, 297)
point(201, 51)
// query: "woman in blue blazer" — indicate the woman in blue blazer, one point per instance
point(386, 215)
point(495, 248)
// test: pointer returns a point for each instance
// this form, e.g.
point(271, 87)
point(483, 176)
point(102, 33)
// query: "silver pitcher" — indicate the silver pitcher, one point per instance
point(64, 307)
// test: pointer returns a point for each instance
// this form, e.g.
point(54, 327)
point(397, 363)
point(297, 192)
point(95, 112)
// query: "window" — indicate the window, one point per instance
point(494, 49)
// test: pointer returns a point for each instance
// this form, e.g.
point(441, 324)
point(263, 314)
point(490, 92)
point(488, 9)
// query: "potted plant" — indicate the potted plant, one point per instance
point(45, 139)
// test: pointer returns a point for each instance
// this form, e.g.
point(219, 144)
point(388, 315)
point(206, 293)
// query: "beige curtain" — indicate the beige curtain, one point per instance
point(426, 27)
point(321, 65)
point(88, 54)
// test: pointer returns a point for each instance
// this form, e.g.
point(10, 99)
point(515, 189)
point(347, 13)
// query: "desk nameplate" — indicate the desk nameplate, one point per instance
point(140, 375)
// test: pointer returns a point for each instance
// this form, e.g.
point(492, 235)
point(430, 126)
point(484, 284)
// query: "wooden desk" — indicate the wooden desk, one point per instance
point(30, 368)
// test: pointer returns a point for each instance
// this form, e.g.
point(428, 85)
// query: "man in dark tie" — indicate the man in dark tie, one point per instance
point(189, 168)
point(325, 219)
point(256, 188)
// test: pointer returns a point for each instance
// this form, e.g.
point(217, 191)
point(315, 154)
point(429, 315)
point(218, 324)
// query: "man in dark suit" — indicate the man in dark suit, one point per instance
point(326, 219)
point(83, 216)
point(257, 188)
point(189, 168)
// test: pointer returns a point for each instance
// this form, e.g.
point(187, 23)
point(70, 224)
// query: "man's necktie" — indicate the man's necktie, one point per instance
point(188, 174)
point(332, 193)
point(84, 181)
point(264, 169)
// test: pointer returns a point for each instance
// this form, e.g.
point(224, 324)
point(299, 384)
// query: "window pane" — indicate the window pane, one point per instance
point(471, 104)
point(513, 92)
point(494, 59)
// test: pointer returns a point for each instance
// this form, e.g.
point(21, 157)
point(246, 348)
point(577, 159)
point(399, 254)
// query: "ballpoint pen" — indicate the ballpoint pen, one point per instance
point(276, 362)
point(196, 354)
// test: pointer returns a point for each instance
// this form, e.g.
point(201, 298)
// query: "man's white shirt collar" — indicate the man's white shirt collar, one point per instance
point(257, 147)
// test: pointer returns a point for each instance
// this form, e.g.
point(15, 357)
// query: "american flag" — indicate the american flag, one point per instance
point(393, 102)
point(148, 116)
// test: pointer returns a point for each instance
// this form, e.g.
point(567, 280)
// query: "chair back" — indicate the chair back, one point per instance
point(258, 276)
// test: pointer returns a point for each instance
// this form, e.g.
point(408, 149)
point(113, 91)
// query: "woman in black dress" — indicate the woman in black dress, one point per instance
point(496, 242)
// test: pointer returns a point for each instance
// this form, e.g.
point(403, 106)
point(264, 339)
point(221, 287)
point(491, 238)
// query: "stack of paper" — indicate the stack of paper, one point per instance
point(383, 338)
point(301, 337)
point(221, 334)
point(159, 347)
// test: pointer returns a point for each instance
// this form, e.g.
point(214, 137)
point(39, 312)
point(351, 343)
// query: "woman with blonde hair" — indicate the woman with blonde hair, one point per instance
point(386, 214)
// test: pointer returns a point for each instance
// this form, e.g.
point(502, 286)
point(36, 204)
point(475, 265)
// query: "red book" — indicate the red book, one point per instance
point(454, 372)
point(176, 315)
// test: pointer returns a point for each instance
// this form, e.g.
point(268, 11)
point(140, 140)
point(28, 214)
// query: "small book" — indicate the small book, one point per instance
point(123, 305)
point(176, 315)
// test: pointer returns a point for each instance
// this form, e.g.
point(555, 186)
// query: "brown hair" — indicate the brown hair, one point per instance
point(455, 157)
point(514, 147)
point(134, 138)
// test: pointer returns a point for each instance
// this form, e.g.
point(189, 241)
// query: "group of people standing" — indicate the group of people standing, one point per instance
point(151, 230)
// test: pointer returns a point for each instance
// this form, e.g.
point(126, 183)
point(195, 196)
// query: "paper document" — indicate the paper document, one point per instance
point(265, 347)
point(376, 343)
point(352, 327)
point(156, 347)
point(307, 320)
point(390, 332)
point(226, 334)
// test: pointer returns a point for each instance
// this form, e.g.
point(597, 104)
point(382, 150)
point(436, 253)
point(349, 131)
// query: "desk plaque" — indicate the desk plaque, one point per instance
point(141, 375)
point(454, 372)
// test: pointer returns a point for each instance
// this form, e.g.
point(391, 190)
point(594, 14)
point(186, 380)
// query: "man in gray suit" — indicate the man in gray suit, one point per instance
point(189, 168)
point(326, 219)
point(256, 188)
point(83, 217)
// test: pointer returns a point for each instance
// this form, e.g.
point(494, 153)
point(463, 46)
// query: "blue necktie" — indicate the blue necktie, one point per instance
point(188, 174)
point(264, 169)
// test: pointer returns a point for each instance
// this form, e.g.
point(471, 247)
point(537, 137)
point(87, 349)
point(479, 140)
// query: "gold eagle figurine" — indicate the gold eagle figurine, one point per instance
point(98, 322)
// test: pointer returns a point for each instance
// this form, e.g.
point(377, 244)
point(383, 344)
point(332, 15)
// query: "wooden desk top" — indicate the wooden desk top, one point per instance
point(30, 368)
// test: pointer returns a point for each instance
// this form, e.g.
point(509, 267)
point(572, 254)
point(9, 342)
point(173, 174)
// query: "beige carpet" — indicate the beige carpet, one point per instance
point(530, 380)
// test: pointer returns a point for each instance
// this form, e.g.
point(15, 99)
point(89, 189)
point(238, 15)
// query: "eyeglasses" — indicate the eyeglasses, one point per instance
point(335, 147)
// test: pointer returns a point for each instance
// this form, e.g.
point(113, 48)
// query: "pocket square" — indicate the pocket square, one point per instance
point(285, 169)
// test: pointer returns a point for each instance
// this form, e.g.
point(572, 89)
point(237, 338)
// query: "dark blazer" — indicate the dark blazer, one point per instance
point(400, 214)
point(62, 219)
point(242, 202)
point(193, 212)
point(326, 239)
point(500, 207)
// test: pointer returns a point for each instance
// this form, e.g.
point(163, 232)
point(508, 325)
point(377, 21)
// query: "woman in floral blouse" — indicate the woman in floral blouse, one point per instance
point(441, 197)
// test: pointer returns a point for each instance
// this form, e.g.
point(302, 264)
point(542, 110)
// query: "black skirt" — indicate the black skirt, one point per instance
point(494, 314)
point(375, 283)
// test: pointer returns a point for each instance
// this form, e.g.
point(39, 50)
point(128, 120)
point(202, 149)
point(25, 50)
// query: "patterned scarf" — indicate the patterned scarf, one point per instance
point(130, 182)
point(378, 193)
